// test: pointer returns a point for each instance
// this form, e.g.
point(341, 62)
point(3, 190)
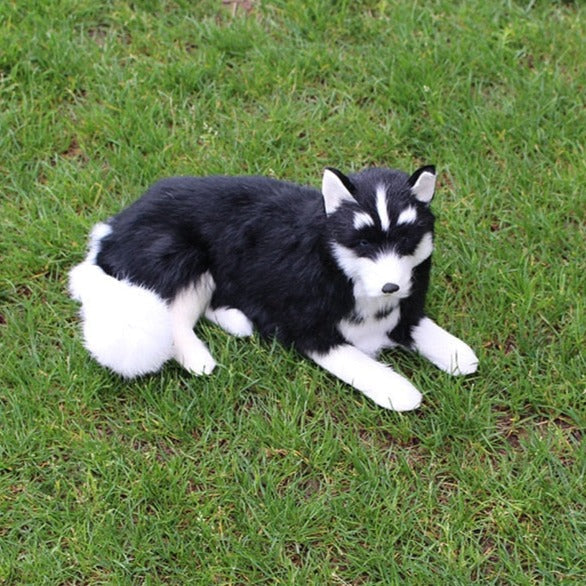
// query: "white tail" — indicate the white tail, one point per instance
point(126, 328)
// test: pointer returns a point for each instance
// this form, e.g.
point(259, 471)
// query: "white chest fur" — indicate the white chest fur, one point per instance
point(370, 324)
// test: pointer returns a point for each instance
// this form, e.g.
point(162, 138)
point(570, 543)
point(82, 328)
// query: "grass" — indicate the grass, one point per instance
point(270, 471)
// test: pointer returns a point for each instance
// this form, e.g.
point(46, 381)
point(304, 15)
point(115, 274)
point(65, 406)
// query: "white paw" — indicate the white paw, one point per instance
point(462, 360)
point(201, 362)
point(457, 358)
point(231, 320)
point(443, 349)
point(378, 382)
point(400, 395)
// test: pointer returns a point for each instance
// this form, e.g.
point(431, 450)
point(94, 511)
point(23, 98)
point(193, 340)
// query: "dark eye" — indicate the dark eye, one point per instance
point(362, 244)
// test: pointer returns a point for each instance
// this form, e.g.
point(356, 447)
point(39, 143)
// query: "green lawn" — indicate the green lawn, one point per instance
point(271, 471)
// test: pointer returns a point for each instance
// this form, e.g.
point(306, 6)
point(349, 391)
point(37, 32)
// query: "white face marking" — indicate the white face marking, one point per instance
point(370, 275)
point(361, 220)
point(407, 216)
point(423, 250)
point(381, 207)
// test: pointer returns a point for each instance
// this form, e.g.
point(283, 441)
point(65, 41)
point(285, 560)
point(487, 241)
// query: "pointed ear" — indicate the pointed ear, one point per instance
point(422, 183)
point(336, 189)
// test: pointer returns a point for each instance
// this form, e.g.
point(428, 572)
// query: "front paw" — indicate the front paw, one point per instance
point(443, 349)
point(396, 393)
point(463, 360)
point(456, 358)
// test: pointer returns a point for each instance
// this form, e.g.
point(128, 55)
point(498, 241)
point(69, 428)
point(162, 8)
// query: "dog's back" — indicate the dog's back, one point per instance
point(263, 241)
point(172, 234)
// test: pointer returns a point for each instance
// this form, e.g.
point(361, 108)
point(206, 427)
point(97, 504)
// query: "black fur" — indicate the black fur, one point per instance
point(267, 244)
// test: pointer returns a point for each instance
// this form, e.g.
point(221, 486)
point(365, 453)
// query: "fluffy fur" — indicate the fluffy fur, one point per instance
point(339, 275)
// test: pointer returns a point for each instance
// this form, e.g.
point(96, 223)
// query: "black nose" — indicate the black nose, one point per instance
point(390, 288)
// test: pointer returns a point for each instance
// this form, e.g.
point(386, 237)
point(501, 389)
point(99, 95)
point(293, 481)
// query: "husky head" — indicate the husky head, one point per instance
point(380, 227)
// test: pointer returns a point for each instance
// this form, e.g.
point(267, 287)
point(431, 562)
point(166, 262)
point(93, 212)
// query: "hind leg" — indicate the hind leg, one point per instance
point(231, 320)
point(185, 309)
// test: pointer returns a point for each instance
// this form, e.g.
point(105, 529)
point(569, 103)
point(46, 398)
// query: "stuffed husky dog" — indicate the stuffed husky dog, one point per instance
point(338, 275)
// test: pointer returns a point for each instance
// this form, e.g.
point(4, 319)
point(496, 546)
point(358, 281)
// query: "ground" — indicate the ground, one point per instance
point(271, 471)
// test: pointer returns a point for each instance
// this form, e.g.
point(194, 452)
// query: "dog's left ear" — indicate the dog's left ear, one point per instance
point(336, 189)
point(422, 183)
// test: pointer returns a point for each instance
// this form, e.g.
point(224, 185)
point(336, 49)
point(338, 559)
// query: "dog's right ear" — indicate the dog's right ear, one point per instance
point(336, 189)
